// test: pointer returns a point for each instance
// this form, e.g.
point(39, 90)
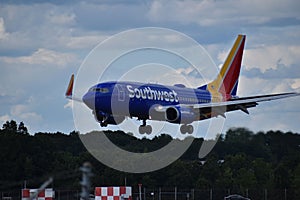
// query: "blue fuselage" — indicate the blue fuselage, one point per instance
point(135, 99)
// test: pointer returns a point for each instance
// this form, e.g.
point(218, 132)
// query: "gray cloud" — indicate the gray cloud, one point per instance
point(71, 2)
point(111, 16)
point(281, 72)
point(283, 22)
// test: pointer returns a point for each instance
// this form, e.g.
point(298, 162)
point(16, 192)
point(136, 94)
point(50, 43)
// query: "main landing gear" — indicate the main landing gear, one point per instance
point(144, 128)
point(185, 128)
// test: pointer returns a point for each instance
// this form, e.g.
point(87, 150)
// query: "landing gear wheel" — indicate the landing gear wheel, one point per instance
point(148, 129)
point(183, 129)
point(103, 124)
point(145, 129)
point(186, 129)
point(190, 129)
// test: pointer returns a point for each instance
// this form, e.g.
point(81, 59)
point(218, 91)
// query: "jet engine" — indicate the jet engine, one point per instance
point(180, 115)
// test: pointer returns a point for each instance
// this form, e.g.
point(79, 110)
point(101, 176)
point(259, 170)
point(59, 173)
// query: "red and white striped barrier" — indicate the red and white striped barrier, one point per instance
point(46, 194)
point(113, 193)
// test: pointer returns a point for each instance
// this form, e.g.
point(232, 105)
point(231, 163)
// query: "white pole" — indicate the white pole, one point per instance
point(285, 196)
point(140, 191)
point(159, 196)
point(266, 194)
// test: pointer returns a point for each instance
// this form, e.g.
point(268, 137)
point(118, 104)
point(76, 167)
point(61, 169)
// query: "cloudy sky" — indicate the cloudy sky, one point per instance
point(43, 42)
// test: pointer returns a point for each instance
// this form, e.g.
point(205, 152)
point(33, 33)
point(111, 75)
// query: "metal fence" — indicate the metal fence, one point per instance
point(215, 194)
point(176, 193)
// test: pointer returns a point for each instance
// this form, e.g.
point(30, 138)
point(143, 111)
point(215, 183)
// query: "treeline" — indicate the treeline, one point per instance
point(240, 160)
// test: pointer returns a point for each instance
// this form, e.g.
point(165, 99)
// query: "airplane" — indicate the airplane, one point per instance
point(111, 102)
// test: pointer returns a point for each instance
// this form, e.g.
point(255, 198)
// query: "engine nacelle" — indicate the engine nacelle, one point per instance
point(180, 115)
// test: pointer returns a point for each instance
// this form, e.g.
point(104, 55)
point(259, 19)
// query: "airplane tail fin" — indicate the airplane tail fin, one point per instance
point(227, 80)
point(69, 91)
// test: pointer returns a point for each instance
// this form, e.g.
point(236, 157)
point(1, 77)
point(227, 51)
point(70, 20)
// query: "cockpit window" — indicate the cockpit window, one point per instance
point(102, 90)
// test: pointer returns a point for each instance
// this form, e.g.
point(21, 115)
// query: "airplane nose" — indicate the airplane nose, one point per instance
point(89, 100)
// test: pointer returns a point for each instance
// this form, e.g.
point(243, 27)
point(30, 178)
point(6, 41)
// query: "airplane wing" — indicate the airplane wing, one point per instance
point(250, 99)
point(207, 110)
point(241, 103)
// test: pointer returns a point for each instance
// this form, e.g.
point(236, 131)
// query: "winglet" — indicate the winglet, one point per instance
point(69, 91)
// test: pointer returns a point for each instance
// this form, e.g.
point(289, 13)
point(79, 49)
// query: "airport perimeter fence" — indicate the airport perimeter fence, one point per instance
point(215, 194)
point(176, 193)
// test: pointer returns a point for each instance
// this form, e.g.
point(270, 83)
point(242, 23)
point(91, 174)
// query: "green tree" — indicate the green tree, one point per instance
point(210, 171)
point(296, 181)
point(179, 174)
point(226, 179)
point(282, 176)
point(22, 129)
point(245, 179)
point(10, 126)
point(263, 173)
point(238, 135)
